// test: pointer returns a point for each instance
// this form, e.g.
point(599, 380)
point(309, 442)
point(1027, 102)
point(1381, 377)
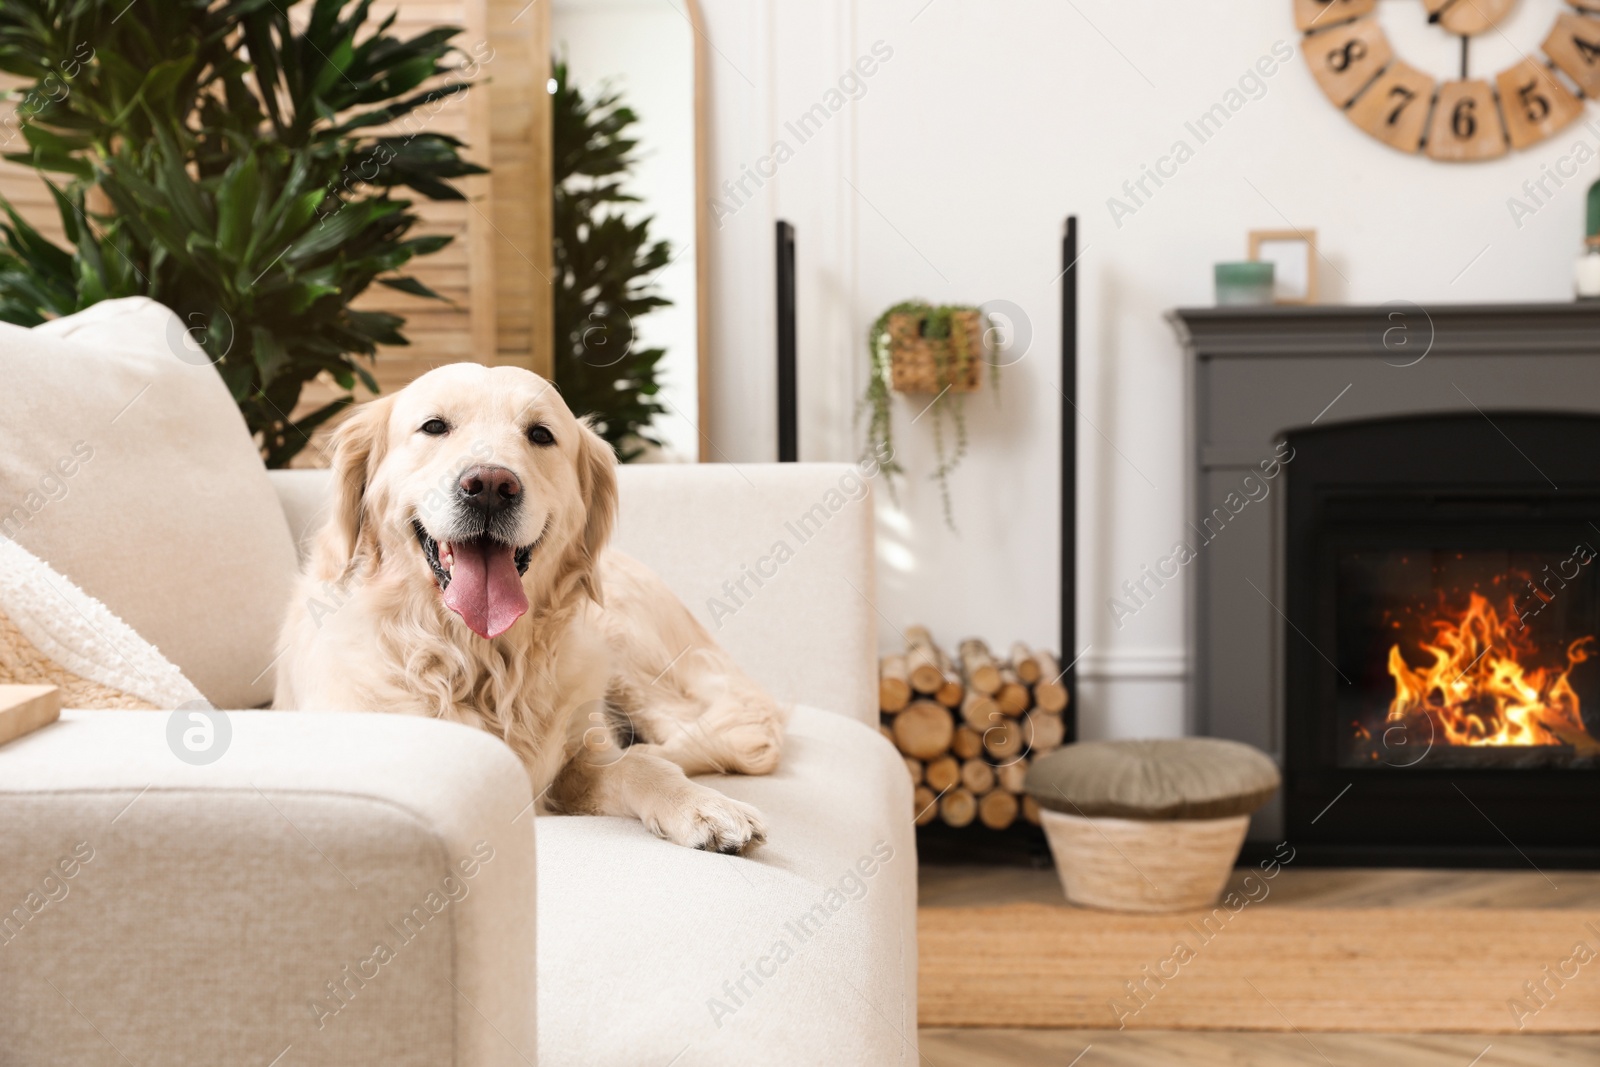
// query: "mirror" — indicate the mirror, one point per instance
point(643, 57)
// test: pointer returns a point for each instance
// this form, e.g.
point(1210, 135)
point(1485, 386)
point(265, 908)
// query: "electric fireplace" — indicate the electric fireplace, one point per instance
point(1442, 645)
point(1408, 616)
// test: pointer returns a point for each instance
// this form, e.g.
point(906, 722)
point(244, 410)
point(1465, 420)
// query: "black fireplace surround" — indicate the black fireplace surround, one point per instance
point(1445, 565)
point(1408, 622)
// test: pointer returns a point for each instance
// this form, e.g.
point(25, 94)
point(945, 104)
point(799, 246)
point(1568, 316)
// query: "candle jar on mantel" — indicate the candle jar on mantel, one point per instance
point(1243, 284)
point(1586, 272)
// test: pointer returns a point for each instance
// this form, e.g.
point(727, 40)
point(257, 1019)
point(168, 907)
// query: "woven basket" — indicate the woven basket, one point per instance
point(1148, 865)
point(914, 359)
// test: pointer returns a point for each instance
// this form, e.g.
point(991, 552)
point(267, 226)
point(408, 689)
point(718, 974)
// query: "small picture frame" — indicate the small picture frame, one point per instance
point(1293, 254)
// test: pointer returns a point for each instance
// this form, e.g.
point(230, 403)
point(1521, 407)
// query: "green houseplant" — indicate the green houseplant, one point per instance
point(246, 168)
point(949, 337)
point(605, 267)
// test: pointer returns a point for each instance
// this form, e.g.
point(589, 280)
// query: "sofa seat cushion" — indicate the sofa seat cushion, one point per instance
point(803, 952)
point(126, 466)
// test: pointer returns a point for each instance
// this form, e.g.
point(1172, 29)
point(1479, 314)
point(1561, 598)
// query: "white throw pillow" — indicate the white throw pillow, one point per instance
point(126, 466)
point(53, 633)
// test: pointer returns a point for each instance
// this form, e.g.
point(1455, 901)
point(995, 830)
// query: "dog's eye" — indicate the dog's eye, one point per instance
point(541, 435)
point(435, 427)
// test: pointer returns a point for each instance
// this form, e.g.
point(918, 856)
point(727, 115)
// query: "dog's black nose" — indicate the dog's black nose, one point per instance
point(489, 489)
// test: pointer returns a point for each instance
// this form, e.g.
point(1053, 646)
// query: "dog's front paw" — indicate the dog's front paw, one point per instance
point(705, 819)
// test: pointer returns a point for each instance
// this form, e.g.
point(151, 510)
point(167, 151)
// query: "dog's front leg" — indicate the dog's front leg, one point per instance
point(657, 793)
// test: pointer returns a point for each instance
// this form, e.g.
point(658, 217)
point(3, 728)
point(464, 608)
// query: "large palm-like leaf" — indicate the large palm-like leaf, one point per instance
point(253, 168)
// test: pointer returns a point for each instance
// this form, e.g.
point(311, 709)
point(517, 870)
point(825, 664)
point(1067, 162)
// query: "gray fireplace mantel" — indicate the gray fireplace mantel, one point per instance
point(1257, 373)
point(1386, 329)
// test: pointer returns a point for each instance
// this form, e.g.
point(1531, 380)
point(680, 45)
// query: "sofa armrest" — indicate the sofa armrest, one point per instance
point(359, 888)
point(776, 559)
point(306, 496)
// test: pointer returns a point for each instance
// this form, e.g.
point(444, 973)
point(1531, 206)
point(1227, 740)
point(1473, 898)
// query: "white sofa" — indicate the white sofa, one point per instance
point(366, 889)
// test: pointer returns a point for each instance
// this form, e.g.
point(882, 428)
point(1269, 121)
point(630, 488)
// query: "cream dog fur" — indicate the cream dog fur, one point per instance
point(464, 574)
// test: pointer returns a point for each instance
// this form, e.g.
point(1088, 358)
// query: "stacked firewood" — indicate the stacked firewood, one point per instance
point(969, 727)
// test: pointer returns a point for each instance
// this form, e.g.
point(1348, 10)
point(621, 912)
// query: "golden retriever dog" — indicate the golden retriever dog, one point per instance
point(464, 574)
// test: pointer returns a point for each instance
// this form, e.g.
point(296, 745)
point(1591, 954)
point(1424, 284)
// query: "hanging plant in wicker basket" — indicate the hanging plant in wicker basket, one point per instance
point(930, 350)
point(920, 363)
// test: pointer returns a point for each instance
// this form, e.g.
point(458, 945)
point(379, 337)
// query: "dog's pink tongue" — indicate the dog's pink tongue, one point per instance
point(485, 589)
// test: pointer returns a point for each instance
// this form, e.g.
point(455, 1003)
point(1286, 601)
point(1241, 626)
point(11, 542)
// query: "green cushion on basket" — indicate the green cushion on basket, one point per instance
point(1178, 778)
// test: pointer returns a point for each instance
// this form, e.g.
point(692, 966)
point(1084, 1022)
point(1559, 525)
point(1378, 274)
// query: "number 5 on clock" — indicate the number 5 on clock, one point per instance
point(1535, 103)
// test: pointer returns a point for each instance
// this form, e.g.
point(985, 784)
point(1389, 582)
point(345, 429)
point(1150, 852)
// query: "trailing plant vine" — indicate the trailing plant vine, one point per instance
point(952, 363)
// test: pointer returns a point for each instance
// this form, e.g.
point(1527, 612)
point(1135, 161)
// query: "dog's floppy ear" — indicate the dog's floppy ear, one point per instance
point(358, 447)
point(597, 482)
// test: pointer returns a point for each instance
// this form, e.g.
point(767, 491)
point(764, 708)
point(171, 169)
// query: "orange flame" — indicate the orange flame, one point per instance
point(1477, 690)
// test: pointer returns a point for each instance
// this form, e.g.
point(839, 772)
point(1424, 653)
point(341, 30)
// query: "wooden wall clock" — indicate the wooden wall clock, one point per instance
point(1456, 121)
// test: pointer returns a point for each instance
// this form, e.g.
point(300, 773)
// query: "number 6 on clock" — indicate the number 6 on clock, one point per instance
point(1466, 124)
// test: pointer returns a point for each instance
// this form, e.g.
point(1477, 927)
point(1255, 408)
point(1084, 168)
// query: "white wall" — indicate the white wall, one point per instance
point(949, 180)
point(645, 49)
